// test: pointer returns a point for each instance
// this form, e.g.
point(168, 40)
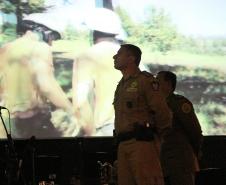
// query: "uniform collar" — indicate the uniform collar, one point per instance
point(170, 96)
point(132, 75)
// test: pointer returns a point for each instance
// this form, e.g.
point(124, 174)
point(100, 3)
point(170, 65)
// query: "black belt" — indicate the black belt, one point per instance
point(140, 133)
point(125, 136)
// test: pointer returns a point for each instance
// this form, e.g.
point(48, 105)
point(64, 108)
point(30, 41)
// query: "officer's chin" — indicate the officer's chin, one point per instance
point(116, 67)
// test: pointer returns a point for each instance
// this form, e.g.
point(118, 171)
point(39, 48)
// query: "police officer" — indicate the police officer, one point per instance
point(137, 101)
point(29, 87)
point(181, 146)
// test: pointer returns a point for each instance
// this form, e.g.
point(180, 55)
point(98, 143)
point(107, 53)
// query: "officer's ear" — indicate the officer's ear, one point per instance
point(132, 58)
point(169, 85)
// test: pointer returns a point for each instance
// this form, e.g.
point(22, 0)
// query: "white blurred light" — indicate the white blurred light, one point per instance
point(104, 20)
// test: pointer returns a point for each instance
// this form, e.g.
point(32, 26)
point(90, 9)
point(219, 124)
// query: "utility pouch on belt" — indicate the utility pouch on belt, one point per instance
point(143, 132)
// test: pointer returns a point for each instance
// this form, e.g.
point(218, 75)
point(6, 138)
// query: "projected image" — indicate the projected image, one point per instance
point(57, 76)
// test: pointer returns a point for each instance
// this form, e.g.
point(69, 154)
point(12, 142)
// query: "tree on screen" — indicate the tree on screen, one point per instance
point(156, 31)
point(21, 7)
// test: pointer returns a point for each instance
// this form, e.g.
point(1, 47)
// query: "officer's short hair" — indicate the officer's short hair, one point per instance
point(136, 52)
point(170, 76)
point(45, 32)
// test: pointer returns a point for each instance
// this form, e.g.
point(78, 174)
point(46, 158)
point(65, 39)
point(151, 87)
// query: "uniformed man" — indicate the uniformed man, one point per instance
point(181, 146)
point(29, 87)
point(137, 101)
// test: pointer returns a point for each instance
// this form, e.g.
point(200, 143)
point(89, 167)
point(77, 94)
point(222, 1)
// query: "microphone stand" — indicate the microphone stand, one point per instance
point(12, 166)
point(30, 153)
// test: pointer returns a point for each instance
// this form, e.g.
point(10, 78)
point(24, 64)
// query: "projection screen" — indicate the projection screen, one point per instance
point(49, 91)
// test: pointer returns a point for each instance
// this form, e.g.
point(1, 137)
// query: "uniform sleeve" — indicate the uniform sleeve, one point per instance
point(186, 116)
point(157, 104)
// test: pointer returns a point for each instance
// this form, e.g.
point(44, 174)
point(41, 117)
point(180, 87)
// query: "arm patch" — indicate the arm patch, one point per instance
point(186, 108)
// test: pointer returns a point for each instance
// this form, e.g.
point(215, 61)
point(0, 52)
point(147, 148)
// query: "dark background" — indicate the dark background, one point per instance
point(77, 157)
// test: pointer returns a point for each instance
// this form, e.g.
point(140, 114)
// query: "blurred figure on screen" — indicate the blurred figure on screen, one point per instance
point(180, 149)
point(94, 77)
point(29, 87)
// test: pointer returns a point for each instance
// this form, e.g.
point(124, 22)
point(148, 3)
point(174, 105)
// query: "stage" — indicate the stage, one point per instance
point(66, 160)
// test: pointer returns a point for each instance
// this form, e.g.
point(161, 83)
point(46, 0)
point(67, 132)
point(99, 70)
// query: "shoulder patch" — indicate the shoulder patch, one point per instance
point(186, 108)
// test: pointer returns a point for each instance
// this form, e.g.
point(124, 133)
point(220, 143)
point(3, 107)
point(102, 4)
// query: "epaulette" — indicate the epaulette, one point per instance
point(178, 96)
point(150, 77)
point(147, 74)
point(182, 99)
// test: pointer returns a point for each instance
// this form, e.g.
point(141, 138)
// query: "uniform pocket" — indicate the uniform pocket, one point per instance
point(130, 102)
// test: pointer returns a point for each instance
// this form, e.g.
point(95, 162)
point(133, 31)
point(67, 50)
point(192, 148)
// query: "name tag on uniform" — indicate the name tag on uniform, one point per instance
point(133, 87)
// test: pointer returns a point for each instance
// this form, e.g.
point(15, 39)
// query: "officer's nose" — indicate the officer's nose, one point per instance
point(114, 57)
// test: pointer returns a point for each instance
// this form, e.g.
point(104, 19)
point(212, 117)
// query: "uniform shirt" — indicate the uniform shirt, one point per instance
point(135, 99)
point(182, 142)
point(185, 119)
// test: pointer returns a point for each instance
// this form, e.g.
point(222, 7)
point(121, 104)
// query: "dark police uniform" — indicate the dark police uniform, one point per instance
point(136, 99)
point(182, 143)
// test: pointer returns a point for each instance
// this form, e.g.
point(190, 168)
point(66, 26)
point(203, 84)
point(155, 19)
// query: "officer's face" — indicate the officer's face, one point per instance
point(121, 59)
